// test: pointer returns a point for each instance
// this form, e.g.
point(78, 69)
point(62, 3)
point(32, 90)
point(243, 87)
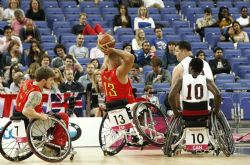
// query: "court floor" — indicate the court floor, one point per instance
point(94, 156)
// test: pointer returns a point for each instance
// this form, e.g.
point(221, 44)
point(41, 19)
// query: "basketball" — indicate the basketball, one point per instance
point(106, 41)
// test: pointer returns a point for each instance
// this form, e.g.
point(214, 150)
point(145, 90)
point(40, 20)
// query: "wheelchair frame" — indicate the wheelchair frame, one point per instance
point(138, 131)
point(221, 136)
point(32, 142)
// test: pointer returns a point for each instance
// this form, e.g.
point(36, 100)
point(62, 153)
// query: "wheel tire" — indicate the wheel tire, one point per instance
point(105, 122)
point(159, 120)
point(35, 150)
point(4, 154)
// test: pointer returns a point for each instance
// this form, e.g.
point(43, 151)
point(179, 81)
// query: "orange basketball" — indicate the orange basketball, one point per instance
point(106, 41)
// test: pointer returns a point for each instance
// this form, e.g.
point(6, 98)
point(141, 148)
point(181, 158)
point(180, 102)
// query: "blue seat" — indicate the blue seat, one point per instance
point(243, 69)
point(184, 31)
point(230, 53)
point(68, 38)
point(234, 86)
point(39, 24)
point(47, 39)
point(87, 4)
point(54, 18)
point(62, 32)
point(118, 45)
point(126, 38)
point(48, 46)
point(220, 82)
point(153, 11)
point(110, 10)
point(243, 45)
point(106, 4)
point(2, 24)
point(224, 76)
point(168, 30)
point(94, 17)
point(60, 24)
point(52, 11)
point(205, 4)
point(170, 10)
point(132, 11)
point(68, 4)
point(225, 45)
point(176, 38)
point(90, 38)
point(50, 4)
point(169, 4)
point(208, 53)
point(185, 5)
point(83, 61)
point(244, 108)
point(90, 45)
point(247, 76)
point(171, 17)
point(227, 107)
point(240, 4)
point(138, 85)
point(45, 31)
point(224, 3)
point(234, 10)
point(191, 38)
point(178, 24)
point(72, 17)
point(109, 18)
point(75, 10)
point(199, 45)
point(162, 97)
point(148, 31)
point(122, 31)
point(93, 10)
point(157, 86)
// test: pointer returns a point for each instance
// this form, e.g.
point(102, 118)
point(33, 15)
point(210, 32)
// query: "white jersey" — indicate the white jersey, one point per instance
point(206, 70)
point(194, 92)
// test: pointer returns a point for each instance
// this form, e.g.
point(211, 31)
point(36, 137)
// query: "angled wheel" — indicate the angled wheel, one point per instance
point(42, 140)
point(173, 136)
point(111, 142)
point(223, 134)
point(10, 147)
point(151, 122)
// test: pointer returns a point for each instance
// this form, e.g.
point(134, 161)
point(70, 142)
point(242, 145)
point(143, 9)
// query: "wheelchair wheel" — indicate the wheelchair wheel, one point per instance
point(223, 134)
point(151, 122)
point(10, 148)
point(107, 136)
point(173, 136)
point(41, 135)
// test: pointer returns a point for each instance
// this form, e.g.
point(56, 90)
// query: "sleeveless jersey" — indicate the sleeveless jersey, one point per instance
point(23, 95)
point(194, 95)
point(206, 70)
point(114, 90)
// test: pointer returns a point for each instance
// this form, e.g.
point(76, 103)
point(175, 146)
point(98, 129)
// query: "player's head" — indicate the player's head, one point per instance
point(195, 66)
point(182, 50)
point(45, 76)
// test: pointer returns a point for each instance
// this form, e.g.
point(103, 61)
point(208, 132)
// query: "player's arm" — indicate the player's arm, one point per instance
point(217, 97)
point(34, 99)
point(128, 61)
point(172, 96)
point(177, 73)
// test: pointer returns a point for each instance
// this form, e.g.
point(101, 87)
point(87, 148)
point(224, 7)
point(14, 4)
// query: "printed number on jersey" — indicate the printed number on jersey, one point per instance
point(196, 91)
point(119, 119)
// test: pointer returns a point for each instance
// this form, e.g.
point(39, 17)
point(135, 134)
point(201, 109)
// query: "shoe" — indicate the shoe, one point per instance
point(50, 151)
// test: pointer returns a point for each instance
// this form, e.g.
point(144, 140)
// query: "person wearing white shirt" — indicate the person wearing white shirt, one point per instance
point(143, 20)
point(138, 40)
point(153, 3)
point(78, 50)
point(244, 19)
point(96, 53)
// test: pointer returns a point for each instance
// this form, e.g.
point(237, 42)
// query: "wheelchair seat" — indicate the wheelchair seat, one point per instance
point(116, 104)
point(18, 118)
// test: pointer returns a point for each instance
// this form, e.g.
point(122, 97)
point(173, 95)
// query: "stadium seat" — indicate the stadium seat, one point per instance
point(138, 85)
point(132, 11)
point(231, 53)
point(225, 45)
point(185, 30)
point(153, 11)
point(243, 45)
point(83, 61)
point(48, 46)
point(52, 11)
point(244, 108)
point(122, 31)
point(48, 39)
point(205, 4)
point(227, 107)
point(176, 38)
point(50, 4)
point(106, 4)
point(224, 76)
point(75, 10)
point(191, 38)
point(170, 10)
point(39, 24)
point(60, 24)
point(67, 4)
point(45, 31)
point(126, 38)
point(224, 3)
point(87, 4)
point(234, 86)
point(93, 10)
point(168, 30)
point(169, 4)
point(110, 10)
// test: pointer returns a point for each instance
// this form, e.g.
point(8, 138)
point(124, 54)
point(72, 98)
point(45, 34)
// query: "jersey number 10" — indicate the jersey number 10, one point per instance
point(198, 91)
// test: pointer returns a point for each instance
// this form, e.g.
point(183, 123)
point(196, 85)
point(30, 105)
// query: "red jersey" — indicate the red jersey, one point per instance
point(114, 89)
point(23, 95)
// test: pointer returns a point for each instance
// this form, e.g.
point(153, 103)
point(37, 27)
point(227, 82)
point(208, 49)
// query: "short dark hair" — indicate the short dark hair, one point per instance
point(243, 7)
point(157, 27)
point(156, 62)
point(207, 10)
point(69, 57)
point(44, 73)
point(144, 42)
point(199, 52)
point(184, 45)
point(7, 27)
point(217, 48)
point(59, 46)
point(196, 64)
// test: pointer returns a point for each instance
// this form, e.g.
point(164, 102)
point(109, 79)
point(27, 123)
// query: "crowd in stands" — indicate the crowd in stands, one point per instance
point(34, 35)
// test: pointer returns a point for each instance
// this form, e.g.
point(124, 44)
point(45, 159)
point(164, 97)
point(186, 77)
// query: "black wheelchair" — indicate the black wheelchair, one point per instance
point(26, 138)
point(211, 133)
point(140, 124)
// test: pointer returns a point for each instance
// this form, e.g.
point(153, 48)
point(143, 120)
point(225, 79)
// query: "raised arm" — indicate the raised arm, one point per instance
point(34, 99)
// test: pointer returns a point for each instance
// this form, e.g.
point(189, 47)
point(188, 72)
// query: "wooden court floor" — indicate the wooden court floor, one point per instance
point(94, 156)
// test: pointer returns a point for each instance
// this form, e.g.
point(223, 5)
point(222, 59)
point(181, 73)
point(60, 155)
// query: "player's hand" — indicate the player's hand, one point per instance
point(105, 50)
point(43, 116)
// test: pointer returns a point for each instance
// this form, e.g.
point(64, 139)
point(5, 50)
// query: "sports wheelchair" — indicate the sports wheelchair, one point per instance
point(19, 139)
point(213, 133)
point(136, 125)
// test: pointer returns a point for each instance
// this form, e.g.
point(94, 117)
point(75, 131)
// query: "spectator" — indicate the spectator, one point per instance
point(201, 55)
point(219, 64)
point(96, 53)
point(19, 21)
point(70, 85)
point(45, 60)
point(228, 35)
point(35, 53)
point(7, 38)
point(148, 89)
point(84, 28)
point(8, 13)
point(154, 3)
point(1, 12)
point(122, 20)
point(135, 76)
point(224, 18)
point(138, 40)
point(244, 19)
point(71, 63)
point(57, 80)
point(60, 51)
point(143, 20)
point(29, 32)
point(30, 74)
point(131, 3)
point(128, 47)
point(158, 43)
point(35, 12)
point(18, 80)
point(88, 77)
point(9, 74)
point(169, 57)
point(158, 74)
point(3, 89)
point(239, 34)
point(78, 50)
point(144, 56)
point(13, 55)
point(206, 21)
point(96, 63)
